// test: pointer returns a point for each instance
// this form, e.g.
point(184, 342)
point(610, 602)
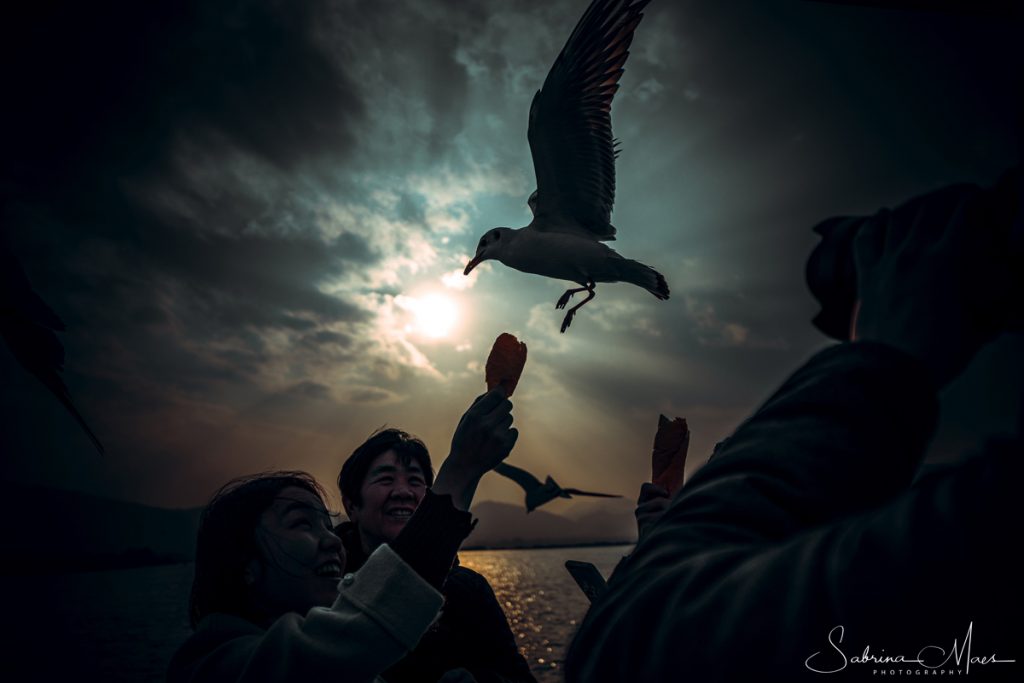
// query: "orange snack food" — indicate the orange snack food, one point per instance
point(505, 362)
point(668, 459)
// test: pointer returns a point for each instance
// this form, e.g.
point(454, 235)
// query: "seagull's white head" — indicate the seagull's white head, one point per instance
point(491, 245)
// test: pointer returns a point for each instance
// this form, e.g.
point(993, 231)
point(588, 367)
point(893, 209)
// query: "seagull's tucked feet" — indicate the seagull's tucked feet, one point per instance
point(568, 320)
point(572, 311)
point(564, 299)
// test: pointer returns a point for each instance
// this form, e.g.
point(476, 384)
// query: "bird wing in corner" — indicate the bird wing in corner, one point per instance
point(27, 324)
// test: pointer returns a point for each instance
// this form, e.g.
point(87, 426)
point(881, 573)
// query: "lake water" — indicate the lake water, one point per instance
point(125, 625)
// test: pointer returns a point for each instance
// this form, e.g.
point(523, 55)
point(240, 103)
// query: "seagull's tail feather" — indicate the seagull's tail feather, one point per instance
point(644, 276)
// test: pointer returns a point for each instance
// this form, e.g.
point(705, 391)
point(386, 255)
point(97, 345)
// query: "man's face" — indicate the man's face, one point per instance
point(302, 559)
point(390, 493)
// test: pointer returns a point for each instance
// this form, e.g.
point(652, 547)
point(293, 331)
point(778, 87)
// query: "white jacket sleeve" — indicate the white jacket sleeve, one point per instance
point(380, 614)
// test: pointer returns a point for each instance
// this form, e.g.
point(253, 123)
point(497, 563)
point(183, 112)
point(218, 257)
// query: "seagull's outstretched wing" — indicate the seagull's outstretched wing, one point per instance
point(577, 492)
point(519, 476)
point(570, 128)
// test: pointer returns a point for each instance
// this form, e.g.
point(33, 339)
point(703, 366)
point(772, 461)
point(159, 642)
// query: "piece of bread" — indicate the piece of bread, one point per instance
point(505, 362)
point(668, 459)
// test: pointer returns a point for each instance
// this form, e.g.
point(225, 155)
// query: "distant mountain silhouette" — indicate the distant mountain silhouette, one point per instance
point(53, 531)
point(614, 518)
point(502, 525)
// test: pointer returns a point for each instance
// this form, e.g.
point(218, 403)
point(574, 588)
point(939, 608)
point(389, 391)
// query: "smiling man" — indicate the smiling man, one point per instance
point(381, 484)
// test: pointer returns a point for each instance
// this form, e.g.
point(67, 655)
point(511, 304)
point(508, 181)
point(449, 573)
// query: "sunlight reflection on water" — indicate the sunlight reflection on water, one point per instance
point(540, 599)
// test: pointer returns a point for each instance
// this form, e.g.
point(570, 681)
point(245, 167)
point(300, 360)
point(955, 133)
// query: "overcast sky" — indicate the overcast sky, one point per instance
point(247, 212)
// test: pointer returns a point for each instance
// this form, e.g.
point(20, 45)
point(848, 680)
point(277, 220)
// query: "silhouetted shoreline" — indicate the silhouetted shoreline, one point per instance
point(132, 558)
point(544, 546)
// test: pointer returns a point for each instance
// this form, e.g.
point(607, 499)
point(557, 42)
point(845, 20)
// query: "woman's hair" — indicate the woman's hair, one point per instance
point(227, 540)
point(406, 447)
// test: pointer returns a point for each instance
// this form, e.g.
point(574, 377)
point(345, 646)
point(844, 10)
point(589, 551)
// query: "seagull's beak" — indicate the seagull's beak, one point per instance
point(472, 264)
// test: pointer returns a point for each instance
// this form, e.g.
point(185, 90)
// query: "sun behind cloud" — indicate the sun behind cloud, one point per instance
point(436, 315)
point(432, 315)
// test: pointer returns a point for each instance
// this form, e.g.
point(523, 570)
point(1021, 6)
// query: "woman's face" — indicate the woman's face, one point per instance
point(390, 493)
point(302, 559)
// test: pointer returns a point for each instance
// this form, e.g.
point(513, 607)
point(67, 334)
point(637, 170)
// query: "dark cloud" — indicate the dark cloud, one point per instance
point(371, 396)
point(328, 338)
point(411, 209)
point(448, 103)
point(431, 84)
point(311, 390)
point(94, 152)
point(110, 86)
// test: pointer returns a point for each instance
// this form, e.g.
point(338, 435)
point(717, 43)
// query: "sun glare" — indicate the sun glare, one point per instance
point(436, 315)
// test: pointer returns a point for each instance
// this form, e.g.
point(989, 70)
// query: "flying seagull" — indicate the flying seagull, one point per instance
point(28, 326)
point(570, 134)
point(538, 494)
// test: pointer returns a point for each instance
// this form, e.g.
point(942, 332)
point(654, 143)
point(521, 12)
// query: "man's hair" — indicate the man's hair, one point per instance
point(226, 541)
point(406, 447)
